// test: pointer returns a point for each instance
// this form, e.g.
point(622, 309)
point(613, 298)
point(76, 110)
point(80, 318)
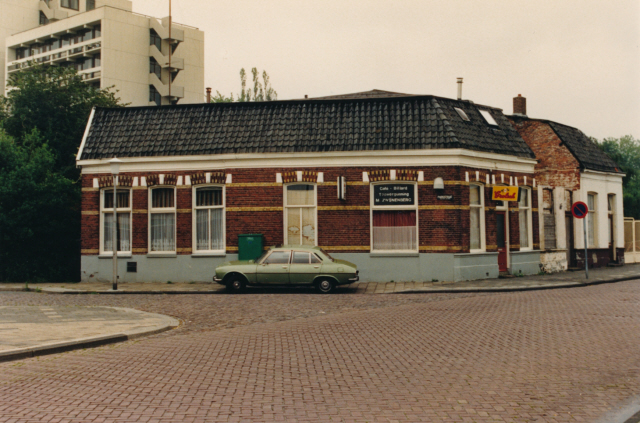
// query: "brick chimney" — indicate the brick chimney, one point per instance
point(520, 105)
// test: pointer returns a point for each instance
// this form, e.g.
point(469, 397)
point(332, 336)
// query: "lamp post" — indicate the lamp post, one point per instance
point(115, 170)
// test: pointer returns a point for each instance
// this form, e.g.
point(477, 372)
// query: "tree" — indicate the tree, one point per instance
point(42, 121)
point(625, 151)
point(56, 102)
point(261, 91)
point(39, 210)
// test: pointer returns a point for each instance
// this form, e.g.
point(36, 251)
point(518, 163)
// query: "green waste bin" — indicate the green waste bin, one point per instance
point(250, 246)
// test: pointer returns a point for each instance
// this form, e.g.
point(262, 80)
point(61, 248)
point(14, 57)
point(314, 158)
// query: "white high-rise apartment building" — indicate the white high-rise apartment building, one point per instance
point(108, 44)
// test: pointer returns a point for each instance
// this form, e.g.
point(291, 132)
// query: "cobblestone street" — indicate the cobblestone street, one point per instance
point(565, 355)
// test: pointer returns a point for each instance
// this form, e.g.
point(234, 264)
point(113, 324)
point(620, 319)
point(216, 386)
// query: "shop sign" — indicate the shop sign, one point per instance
point(394, 195)
point(506, 194)
point(445, 197)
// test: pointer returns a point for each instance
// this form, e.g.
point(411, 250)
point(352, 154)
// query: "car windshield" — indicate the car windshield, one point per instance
point(327, 254)
point(262, 256)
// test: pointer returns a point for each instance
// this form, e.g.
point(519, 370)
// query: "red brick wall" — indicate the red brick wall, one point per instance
point(443, 224)
point(556, 165)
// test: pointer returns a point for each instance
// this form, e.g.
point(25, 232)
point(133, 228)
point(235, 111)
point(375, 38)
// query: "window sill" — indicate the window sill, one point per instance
point(477, 253)
point(210, 254)
point(168, 254)
point(110, 256)
point(394, 254)
point(523, 250)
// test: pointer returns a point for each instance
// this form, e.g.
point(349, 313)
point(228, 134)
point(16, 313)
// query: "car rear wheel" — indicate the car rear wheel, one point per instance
point(236, 284)
point(325, 286)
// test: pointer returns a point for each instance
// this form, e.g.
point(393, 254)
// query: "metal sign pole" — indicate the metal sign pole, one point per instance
point(114, 236)
point(586, 259)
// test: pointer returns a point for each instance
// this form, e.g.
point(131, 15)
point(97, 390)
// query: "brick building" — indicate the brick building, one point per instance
point(572, 168)
point(418, 172)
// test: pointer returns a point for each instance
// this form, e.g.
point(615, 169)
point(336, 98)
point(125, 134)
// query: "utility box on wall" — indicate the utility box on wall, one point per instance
point(250, 246)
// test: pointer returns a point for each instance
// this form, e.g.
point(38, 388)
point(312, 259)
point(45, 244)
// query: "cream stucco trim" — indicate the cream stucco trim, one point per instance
point(443, 157)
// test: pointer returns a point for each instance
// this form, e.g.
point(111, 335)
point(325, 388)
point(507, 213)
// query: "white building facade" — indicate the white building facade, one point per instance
point(109, 45)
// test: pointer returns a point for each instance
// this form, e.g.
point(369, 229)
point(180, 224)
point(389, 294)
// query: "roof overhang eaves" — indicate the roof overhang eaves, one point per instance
point(382, 158)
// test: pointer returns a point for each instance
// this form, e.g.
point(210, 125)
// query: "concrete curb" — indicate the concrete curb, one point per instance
point(517, 288)
point(90, 342)
point(408, 291)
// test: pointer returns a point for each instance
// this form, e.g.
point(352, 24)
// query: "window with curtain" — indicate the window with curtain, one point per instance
point(476, 212)
point(123, 221)
point(209, 219)
point(524, 206)
point(162, 234)
point(394, 222)
point(592, 220)
point(300, 214)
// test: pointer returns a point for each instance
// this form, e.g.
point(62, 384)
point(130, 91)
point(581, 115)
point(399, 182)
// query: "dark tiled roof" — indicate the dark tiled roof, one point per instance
point(584, 149)
point(398, 123)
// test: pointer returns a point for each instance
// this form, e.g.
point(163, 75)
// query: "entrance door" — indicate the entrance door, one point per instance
point(568, 224)
point(501, 232)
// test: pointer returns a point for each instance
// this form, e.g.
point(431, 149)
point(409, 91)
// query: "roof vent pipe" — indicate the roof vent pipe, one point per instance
point(208, 94)
point(459, 88)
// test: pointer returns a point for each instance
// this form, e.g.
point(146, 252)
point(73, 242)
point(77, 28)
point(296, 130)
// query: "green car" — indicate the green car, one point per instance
point(288, 265)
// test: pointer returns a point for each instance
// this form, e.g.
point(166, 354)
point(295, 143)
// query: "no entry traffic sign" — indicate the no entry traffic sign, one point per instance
point(579, 210)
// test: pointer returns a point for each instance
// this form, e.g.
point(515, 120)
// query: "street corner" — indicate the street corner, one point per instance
point(29, 331)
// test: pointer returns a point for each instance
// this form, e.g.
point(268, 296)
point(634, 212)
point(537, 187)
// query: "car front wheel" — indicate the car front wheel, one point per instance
point(236, 284)
point(325, 286)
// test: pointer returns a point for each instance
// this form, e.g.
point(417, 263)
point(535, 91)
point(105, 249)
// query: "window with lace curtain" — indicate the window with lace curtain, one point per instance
point(162, 220)
point(524, 211)
point(476, 213)
point(123, 221)
point(300, 214)
point(209, 221)
point(394, 217)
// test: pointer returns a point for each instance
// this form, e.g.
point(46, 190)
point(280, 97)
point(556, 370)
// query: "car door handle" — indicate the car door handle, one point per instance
point(316, 267)
point(284, 267)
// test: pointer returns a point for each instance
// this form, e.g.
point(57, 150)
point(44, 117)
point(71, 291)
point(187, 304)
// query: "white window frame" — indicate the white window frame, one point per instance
point(285, 208)
point(194, 226)
point(529, 216)
point(483, 238)
point(163, 210)
point(592, 216)
point(104, 211)
point(373, 207)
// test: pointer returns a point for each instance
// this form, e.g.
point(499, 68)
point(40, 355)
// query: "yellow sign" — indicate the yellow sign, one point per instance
point(505, 194)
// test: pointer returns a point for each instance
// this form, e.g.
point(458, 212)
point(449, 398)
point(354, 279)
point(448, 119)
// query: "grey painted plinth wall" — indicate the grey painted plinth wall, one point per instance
point(525, 262)
point(373, 267)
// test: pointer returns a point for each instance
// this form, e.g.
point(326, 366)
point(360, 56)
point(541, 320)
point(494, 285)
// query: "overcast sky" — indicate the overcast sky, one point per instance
point(576, 61)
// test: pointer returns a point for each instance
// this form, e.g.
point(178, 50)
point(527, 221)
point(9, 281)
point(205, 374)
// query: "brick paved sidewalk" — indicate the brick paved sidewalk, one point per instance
point(556, 280)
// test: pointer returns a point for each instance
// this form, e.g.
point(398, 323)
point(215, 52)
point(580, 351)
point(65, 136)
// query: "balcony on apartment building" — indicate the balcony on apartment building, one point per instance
point(71, 47)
